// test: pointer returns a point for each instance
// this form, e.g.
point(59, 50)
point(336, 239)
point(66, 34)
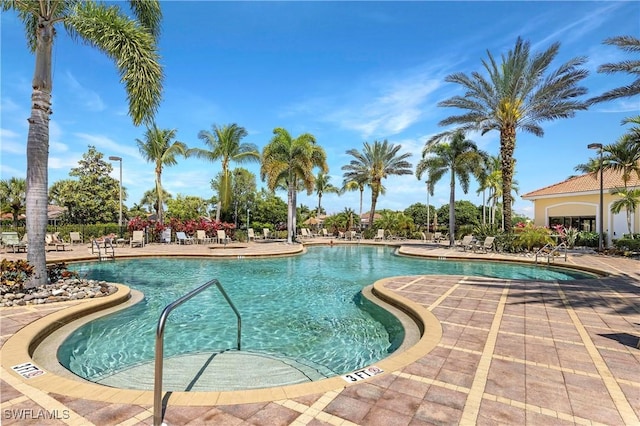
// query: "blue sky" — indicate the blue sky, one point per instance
point(347, 72)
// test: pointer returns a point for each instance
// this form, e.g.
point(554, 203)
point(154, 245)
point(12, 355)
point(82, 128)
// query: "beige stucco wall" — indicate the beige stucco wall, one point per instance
point(582, 205)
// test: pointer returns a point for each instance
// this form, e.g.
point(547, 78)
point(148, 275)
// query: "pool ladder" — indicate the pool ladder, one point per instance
point(103, 253)
point(549, 251)
point(157, 384)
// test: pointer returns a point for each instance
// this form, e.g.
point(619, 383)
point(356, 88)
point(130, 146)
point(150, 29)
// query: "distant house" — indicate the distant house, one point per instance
point(575, 202)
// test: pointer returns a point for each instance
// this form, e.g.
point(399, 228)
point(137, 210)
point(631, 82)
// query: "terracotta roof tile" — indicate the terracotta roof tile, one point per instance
point(584, 183)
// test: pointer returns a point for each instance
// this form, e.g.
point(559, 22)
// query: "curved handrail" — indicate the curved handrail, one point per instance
point(159, 354)
point(551, 250)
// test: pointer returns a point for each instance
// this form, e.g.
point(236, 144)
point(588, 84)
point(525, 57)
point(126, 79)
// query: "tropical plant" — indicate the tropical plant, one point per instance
point(187, 207)
point(15, 273)
point(323, 186)
point(225, 144)
point(291, 160)
point(629, 201)
point(130, 41)
point(13, 193)
point(150, 199)
point(159, 147)
point(519, 94)
point(377, 161)
point(629, 44)
point(453, 153)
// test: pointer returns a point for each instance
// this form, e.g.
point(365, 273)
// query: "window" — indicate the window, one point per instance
point(581, 223)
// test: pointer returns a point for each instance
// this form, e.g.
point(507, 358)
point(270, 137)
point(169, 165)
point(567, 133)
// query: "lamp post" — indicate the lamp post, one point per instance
point(428, 224)
point(119, 159)
point(598, 146)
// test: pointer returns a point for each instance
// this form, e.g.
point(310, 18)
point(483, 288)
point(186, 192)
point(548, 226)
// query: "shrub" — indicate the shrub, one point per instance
point(15, 273)
point(531, 236)
point(58, 271)
point(627, 244)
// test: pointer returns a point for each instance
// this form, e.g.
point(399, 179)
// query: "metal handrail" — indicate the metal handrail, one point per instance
point(106, 253)
point(157, 384)
point(550, 253)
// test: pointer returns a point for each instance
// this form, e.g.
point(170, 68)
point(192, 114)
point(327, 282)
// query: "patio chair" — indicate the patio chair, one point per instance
point(325, 233)
point(201, 237)
point(251, 235)
point(437, 237)
point(54, 241)
point(182, 238)
point(304, 233)
point(485, 246)
point(137, 239)
point(466, 243)
point(75, 237)
point(379, 236)
point(11, 241)
point(266, 234)
point(223, 238)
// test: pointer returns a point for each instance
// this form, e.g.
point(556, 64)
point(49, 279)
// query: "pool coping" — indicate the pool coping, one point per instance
point(20, 347)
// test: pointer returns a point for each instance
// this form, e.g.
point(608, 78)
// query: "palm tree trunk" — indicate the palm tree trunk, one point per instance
point(452, 210)
point(290, 211)
point(159, 192)
point(374, 201)
point(361, 195)
point(38, 155)
point(319, 200)
point(507, 147)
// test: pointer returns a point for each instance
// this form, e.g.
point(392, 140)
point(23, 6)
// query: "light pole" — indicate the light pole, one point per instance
point(114, 158)
point(598, 146)
point(428, 224)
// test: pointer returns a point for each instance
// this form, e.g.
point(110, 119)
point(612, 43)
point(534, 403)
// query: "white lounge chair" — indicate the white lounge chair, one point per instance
point(379, 236)
point(201, 237)
point(485, 246)
point(223, 238)
point(75, 237)
point(182, 238)
point(466, 243)
point(137, 239)
point(251, 235)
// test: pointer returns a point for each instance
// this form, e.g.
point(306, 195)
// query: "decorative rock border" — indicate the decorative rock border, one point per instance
point(62, 291)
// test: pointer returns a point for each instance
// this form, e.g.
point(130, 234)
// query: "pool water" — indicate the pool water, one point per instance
point(307, 308)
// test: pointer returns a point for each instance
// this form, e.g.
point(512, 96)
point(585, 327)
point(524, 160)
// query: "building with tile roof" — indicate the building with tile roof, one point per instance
point(575, 202)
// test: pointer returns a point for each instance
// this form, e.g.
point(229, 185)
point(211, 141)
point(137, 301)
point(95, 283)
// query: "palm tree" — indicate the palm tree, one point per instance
point(629, 44)
point(291, 160)
point(376, 162)
point(356, 180)
point(13, 193)
point(630, 200)
point(157, 147)
point(225, 143)
point(323, 186)
point(519, 94)
point(132, 44)
point(450, 152)
point(150, 199)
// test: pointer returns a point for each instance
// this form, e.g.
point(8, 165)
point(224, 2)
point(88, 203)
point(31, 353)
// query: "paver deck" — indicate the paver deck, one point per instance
point(511, 352)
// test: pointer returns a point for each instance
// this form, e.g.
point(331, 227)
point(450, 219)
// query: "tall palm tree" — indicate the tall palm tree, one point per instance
point(225, 144)
point(629, 44)
point(13, 194)
point(157, 147)
point(377, 162)
point(132, 44)
point(291, 160)
point(323, 186)
point(519, 94)
point(450, 152)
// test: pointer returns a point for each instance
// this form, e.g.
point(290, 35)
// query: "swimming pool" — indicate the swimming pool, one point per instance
point(306, 308)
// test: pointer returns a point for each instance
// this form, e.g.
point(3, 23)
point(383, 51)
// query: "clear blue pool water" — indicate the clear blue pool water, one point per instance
point(307, 308)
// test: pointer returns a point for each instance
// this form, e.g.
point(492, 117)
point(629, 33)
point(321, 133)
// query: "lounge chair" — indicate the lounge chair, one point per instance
point(222, 237)
point(380, 235)
point(325, 233)
point(75, 237)
point(137, 239)
point(182, 238)
point(437, 237)
point(466, 243)
point(11, 241)
point(266, 234)
point(485, 246)
point(251, 235)
point(53, 240)
point(201, 237)
point(304, 233)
